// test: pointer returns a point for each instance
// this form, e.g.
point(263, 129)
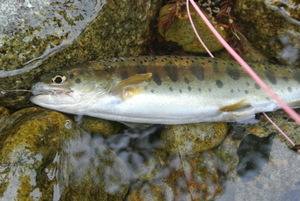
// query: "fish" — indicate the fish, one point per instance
point(167, 90)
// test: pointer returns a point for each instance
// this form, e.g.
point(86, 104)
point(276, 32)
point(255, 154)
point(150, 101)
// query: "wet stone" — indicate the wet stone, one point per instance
point(45, 156)
point(4, 113)
point(281, 42)
point(59, 34)
point(151, 191)
point(100, 126)
point(180, 31)
point(193, 138)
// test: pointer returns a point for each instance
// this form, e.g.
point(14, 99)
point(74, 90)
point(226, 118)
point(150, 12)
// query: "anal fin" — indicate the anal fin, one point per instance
point(236, 106)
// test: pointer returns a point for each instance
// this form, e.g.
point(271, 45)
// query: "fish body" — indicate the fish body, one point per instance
point(167, 90)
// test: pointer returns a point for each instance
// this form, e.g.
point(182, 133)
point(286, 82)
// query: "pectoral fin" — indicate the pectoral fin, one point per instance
point(236, 106)
point(131, 86)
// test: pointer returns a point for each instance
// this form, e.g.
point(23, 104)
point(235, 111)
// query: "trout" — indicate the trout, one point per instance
point(167, 90)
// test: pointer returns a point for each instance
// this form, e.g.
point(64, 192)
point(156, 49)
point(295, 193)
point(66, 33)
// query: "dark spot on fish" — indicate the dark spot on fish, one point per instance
point(124, 75)
point(239, 90)
point(232, 91)
point(145, 87)
point(192, 61)
point(271, 77)
point(78, 80)
point(256, 86)
point(172, 73)
point(180, 91)
point(209, 89)
point(186, 80)
point(122, 60)
point(296, 74)
point(170, 62)
point(233, 73)
point(141, 69)
point(209, 61)
point(152, 90)
point(198, 72)
point(156, 78)
point(267, 98)
point(247, 83)
point(285, 78)
point(71, 75)
point(215, 67)
point(246, 91)
point(171, 89)
point(189, 88)
point(199, 89)
point(133, 59)
point(289, 89)
point(219, 83)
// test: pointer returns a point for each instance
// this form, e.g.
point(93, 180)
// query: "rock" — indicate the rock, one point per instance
point(45, 156)
point(195, 177)
point(4, 114)
point(151, 191)
point(181, 32)
point(193, 138)
point(100, 126)
point(273, 27)
point(40, 38)
point(279, 174)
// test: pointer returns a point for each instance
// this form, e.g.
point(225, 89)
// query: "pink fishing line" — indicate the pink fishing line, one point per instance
point(284, 135)
point(195, 30)
point(284, 106)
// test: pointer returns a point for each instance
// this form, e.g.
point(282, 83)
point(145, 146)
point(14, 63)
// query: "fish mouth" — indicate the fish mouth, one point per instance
point(41, 88)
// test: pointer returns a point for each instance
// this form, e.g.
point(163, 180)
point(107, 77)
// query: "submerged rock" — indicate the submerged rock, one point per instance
point(181, 32)
point(45, 156)
point(100, 126)
point(273, 27)
point(253, 153)
point(151, 191)
point(194, 177)
point(193, 138)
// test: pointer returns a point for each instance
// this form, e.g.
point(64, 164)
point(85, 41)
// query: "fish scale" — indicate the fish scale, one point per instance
point(167, 90)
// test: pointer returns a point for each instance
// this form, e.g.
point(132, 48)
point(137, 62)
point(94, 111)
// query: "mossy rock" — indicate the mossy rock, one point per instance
point(193, 138)
point(181, 32)
point(45, 156)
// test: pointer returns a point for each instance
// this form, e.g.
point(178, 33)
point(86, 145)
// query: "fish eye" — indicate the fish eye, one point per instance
point(58, 79)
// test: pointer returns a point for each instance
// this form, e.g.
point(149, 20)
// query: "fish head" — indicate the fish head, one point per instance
point(72, 89)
